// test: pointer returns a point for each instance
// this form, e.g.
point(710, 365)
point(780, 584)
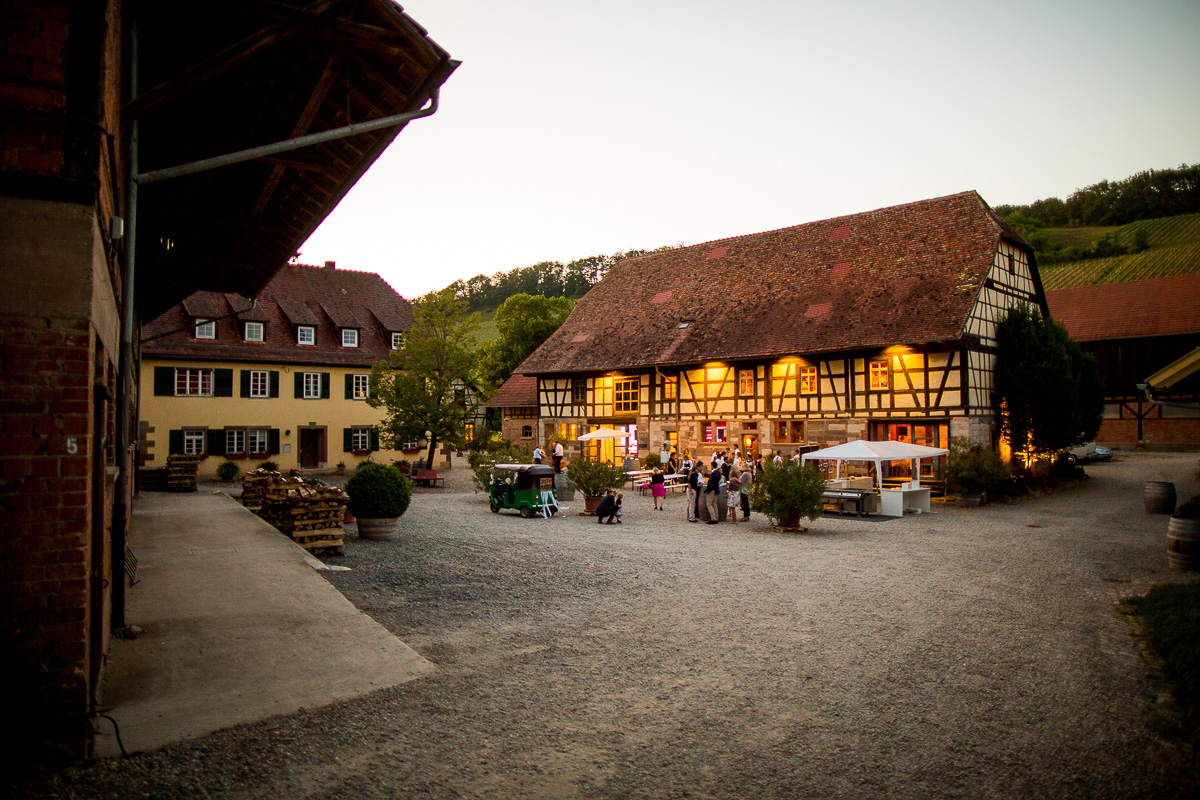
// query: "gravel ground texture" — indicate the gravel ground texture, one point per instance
point(971, 653)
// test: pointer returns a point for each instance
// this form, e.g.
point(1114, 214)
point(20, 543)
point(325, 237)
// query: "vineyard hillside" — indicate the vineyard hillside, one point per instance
point(1173, 249)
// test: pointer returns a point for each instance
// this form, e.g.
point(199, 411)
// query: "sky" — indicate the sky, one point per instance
point(577, 127)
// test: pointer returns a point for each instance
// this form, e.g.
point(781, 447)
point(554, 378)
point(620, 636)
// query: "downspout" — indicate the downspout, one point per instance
point(125, 393)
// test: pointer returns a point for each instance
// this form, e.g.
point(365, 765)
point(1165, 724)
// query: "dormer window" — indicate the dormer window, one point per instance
point(206, 329)
point(349, 337)
point(397, 341)
point(306, 334)
point(254, 331)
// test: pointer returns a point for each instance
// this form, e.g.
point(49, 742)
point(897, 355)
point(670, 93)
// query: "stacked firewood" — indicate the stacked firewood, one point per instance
point(181, 473)
point(313, 516)
point(254, 487)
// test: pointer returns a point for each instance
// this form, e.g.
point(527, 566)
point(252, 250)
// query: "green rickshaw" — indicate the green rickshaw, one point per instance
point(528, 487)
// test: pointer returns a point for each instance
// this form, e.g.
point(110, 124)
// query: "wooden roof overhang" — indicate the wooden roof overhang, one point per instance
point(225, 76)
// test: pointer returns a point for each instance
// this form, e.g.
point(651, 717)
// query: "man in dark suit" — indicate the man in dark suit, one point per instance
point(607, 508)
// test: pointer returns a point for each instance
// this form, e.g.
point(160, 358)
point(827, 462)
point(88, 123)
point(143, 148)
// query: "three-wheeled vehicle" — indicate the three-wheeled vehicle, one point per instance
point(528, 487)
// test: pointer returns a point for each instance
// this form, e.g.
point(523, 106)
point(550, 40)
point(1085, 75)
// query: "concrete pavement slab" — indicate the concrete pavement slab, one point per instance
point(238, 627)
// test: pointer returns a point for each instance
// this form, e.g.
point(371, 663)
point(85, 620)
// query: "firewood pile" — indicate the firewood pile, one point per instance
point(181, 473)
point(313, 516)
point(254, 487)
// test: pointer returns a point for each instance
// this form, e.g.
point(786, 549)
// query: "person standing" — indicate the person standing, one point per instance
point(712, 493)
point(734, 491)
point(686, 464)
point(745, 481)
point(694, 480)
point(658, 489)
point(538, 454)
point(558, 457)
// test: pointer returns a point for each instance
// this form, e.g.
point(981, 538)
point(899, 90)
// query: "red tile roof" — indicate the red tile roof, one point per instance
point(297, 295)
point(519, 390)
point(907, 274)
point(1155, 307)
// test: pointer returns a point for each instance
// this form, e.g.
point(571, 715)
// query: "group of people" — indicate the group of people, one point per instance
point(539, 455)
point(732, 472)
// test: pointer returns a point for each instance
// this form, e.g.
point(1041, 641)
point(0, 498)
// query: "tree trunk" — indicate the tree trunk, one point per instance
point(432, 448)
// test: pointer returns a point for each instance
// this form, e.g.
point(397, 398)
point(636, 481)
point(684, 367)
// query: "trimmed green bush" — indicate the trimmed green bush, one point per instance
point(653, 460)
point(228, 470)
point(785, 492)
point(270, 466)
point(378, 491)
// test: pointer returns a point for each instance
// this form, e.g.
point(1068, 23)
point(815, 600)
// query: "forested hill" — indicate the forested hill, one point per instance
point(1152, 194)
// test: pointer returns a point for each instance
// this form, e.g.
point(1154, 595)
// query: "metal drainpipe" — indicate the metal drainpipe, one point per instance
point(125, 368)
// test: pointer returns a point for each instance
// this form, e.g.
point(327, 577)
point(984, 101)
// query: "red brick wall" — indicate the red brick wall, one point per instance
point(33, 41)
point(45, 412)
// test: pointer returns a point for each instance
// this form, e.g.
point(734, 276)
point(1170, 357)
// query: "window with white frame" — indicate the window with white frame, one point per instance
point(360, 439)
point(349, 337)
point(191, 382)
point(206, 329)
point(362, 385)
point(235, 442)
point(193, 442)
point(306, 334)
point(808, 380)
point(256, 441)
point(746, 382)
point(397, 341)
point(260, 383)
point(312, 385)
point(879, 375)
point(254, 331)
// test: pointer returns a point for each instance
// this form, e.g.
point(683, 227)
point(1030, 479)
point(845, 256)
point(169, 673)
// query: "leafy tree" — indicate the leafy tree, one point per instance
point(1048, 391)
point(418, 385)
point(523, 322)
point(787, 491)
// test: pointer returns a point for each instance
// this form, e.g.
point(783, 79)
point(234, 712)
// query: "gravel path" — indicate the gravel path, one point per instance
point(971, 653)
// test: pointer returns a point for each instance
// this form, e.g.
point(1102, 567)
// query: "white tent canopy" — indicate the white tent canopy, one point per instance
point(876, 452)
point(603, 433)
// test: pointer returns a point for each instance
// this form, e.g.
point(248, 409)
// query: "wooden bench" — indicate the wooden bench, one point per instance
point(428, 477)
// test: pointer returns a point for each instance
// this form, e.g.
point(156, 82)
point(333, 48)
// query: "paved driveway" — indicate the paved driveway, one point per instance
point(971, 653)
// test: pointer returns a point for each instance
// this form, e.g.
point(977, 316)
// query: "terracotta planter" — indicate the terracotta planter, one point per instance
point(1183, 543)
point(590, 504)
point(378, 528)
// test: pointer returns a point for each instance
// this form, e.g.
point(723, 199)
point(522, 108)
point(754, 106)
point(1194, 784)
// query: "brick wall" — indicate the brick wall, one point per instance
point(45, 442)
point(33, 76)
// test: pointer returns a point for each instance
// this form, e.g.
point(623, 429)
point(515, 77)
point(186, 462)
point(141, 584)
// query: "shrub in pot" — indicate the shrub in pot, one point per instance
point(228, 471)
point(972, 472)
point(379, 496)
point(1183, 536)
point(785, 492)
point(594, 478)
point(653, 460)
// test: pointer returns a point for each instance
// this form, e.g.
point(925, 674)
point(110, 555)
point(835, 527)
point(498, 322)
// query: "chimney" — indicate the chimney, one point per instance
point(330, 265)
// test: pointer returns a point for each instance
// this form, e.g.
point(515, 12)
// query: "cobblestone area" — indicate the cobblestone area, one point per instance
point(969, 653)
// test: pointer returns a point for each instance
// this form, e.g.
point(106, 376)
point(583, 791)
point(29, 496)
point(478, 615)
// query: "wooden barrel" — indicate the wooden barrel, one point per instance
point(1183, 543)
point(1159, 497)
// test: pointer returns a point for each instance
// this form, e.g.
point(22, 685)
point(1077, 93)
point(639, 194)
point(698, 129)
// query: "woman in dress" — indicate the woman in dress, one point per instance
point(658, 489)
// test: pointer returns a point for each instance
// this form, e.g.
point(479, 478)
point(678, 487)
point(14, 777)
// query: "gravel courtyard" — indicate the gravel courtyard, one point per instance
point(970, 653)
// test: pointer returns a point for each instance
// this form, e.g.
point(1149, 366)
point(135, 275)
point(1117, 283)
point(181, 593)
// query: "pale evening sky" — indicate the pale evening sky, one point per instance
point(579, 127)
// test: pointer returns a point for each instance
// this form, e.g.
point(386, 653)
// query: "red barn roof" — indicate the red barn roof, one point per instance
point(1155, 307)
point(517, 391)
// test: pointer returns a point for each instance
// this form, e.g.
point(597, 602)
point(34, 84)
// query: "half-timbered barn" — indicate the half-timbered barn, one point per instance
point(874, 326)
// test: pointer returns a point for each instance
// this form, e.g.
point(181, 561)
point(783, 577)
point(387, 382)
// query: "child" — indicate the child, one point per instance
point(733, 495)
point(620, 511)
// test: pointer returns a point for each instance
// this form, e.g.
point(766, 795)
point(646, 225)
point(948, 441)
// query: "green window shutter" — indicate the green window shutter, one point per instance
point(347, 440)
point(245, 382)
point(222, 383)
point(324, 385)
point(273, 441)
point(374, 438)
point(299, 386)
point(274, 391)
point(216, 442)
point(349, 387)
point(164, 385)
point(174, 438)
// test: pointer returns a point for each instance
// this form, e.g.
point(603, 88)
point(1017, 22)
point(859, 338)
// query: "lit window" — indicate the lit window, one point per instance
point(715, 432)
point(206, 329)
point(254, 331)
point(360, 439)
point(235, 442)
point(306, 334)
point(193, 442)
point(746, 382)
point(193, 382)
point(808, 380)
point(397, 341)
point(256, 441)
point(626, 395)
point(349, 337)
point(260, 383)
point(879, 375)
point(361, 386)
point(312, 385)
point(670, 388)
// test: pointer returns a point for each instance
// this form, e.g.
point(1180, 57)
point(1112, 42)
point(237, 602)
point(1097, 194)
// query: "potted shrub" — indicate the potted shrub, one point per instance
point(379, 496)
point(653, 461)
point(341, 468)
point(269, 466)
point(1183, 536)
point(228, 471)
point(594, 478)
point(971, 472)
point(785, 492)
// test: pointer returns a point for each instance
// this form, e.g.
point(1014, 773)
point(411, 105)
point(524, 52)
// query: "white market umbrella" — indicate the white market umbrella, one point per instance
point(603, 433)
point(877, 453)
